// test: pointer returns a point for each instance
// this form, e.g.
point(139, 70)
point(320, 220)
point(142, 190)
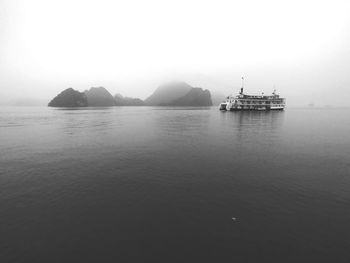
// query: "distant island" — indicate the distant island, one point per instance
point(126, 101)
point(170, 94)
point(99, 97)
point(69, 98)
point(179, 94)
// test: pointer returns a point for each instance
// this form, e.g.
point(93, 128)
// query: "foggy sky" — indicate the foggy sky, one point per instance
point(131, 47)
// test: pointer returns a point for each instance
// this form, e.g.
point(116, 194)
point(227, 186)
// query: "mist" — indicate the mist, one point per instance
point(301, 48)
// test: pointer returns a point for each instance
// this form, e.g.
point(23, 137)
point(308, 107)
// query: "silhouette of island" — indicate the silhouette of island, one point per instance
point(167, 93)
point(195, 97)
point(179, 94)
point(170, 94)
point(69, 98)
point(126, 101)
point(99, 97)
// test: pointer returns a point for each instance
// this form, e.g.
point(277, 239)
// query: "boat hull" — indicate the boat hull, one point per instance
point(257, 109)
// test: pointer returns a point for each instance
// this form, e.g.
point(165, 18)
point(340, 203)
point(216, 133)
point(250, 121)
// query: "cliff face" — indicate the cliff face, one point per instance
point(69, 98)
point(167, 93)
point(195, 97)
point(126, 101)
point(99, 97)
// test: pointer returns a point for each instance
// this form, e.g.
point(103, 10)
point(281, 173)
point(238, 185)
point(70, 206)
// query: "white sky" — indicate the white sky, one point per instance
point(130, 47)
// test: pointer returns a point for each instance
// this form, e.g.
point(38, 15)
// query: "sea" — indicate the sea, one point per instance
point(182, 184)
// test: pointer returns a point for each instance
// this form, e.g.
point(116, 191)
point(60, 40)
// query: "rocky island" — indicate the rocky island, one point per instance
point(167, 93)
point(179, 94)
point(195, 97)
point(69, 98)
point(170, 94)
point(99, 97)
point(126, 101)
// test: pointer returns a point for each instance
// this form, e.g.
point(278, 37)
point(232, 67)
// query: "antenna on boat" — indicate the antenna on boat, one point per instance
point(242, 85)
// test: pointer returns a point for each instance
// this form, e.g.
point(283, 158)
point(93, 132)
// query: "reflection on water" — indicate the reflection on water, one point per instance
point(258, 119)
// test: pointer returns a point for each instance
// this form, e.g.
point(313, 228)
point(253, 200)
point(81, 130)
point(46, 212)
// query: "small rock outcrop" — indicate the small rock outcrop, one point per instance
point(99, 97)
point(126, 101)
point(69, 98)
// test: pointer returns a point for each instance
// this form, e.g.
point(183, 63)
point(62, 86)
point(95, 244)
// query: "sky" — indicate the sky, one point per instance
point(302, 48)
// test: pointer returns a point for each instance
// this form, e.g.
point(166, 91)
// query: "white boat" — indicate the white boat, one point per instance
point(253, 102)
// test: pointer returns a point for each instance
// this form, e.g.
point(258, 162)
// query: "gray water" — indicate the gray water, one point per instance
point(142, 184)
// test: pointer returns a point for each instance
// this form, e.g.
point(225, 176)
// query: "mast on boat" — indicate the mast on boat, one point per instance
point(242, 86)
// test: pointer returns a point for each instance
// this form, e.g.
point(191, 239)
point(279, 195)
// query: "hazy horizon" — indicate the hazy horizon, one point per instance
point(132, 47)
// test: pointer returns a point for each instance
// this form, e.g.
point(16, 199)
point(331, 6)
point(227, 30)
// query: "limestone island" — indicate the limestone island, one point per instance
point(170, 94)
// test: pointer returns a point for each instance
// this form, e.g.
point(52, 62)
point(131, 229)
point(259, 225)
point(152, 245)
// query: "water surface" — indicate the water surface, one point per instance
point(143, 184)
